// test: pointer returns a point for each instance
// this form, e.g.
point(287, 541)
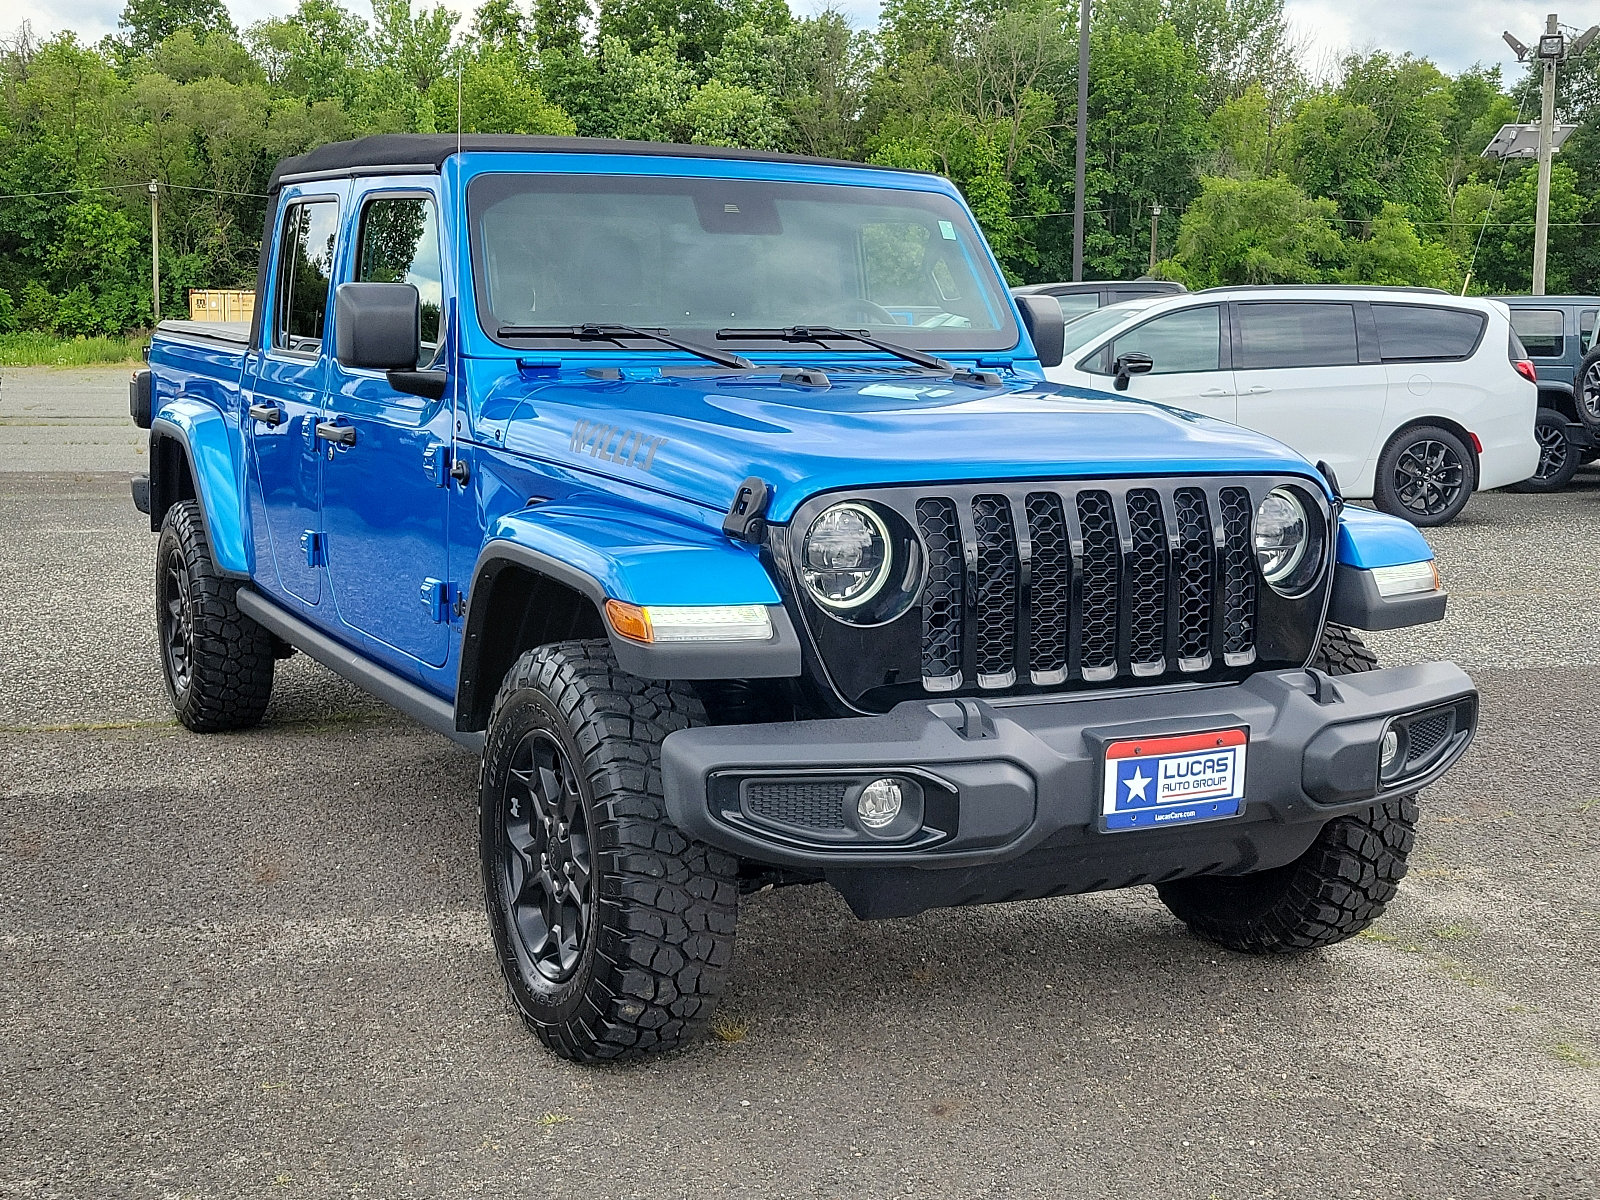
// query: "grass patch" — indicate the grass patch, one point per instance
point(1573, 1054)
point(554, 1118)
point(46, 350)
point(728, 1028)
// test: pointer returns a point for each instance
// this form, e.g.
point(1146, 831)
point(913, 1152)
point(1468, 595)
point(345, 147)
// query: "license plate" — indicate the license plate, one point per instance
point(1151, 782)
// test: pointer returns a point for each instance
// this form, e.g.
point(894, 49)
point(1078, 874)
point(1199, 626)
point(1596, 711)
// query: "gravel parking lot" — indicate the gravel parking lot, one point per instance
point(257, 964)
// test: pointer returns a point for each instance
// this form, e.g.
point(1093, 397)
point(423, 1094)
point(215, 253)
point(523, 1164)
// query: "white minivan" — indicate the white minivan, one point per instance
point(1415, 399)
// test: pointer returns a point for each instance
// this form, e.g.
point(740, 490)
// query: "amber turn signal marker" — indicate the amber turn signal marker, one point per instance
point(630, 621)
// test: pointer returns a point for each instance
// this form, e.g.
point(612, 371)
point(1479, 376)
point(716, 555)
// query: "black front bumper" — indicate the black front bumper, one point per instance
point(1007, 792)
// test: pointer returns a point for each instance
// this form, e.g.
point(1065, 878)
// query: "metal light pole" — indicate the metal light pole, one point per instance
point(155, 256)
point(1155, 217)
point(1083, 140)
point(1552, 50)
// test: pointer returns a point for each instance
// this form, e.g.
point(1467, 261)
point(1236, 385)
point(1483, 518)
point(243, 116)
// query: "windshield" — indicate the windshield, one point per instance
point(692, 256)
point(1083, 331)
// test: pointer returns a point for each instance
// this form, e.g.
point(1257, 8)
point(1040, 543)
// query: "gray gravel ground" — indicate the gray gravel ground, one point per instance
point(256, 964)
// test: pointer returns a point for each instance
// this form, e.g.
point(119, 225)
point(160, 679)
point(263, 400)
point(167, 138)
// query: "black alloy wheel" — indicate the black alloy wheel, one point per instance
point(1553, 452)
point(176, 613)
point(547, 869)
point(1428, 477)
point(1588, 388)
point(1559, 457)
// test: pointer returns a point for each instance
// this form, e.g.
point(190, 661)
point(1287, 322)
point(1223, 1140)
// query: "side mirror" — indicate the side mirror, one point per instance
point(377, 326)
point(1134, 362)
point(1041, 317)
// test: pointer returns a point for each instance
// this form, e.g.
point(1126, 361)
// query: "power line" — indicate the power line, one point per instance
point(118, 187)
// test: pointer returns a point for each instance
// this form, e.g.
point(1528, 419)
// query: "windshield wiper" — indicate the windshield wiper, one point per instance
point(615, 333)
point(822, 333)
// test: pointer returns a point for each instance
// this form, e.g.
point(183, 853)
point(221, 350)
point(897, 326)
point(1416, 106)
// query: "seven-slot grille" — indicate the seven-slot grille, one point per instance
point(1045, 584)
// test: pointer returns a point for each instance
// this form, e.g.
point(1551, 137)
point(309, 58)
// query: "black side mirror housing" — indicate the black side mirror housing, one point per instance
point(1041, 317)
point(377, 326)
point(1134, 362)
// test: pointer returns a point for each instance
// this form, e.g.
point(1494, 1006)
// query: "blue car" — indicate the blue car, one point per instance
point(717, 499)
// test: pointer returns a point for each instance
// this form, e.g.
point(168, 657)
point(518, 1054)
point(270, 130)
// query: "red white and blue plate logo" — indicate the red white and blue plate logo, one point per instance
point(1150, 782)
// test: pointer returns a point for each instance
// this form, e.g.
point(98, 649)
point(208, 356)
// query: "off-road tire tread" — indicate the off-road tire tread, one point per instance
point(230, 677)
point(1341, 885)
point(667, 905)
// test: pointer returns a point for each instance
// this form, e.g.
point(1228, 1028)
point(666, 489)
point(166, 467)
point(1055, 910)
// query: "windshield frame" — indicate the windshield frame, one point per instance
point(942, 204)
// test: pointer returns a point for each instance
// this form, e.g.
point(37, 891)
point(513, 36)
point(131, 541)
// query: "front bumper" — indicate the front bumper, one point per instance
point(1008, 791)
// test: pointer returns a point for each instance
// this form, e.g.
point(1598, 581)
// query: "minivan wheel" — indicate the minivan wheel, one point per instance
point(1558, 457)
point(1426, 475)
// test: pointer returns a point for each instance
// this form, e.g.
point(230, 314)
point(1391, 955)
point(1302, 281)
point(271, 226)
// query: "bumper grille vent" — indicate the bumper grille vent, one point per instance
point(800, 805)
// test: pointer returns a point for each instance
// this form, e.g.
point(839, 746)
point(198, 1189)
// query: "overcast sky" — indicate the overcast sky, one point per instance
point(1454, 33)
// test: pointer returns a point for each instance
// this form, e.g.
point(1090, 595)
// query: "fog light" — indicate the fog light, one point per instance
point(1391, 747)
point(879, 804)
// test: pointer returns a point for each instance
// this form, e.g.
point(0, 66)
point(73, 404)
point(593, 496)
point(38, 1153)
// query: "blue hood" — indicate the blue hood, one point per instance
point(698, 437)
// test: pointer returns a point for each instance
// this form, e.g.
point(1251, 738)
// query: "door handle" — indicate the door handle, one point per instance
point(339, 435)
point(267, 414)
point(1215, 393)
point(1258, 390)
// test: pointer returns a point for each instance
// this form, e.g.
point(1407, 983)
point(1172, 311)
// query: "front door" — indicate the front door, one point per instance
point(1190, 355)
point(286, 404)
point(1297, 366)
point(385, 495)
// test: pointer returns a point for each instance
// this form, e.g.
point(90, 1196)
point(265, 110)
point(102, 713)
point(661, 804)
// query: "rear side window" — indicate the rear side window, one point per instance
point(1540, 331)
point(1187, 340)
point(1586, 323)
point(1075, 304)
point(399, 243)
point(305, 269)
point(1296, 335)
point(1424, 333)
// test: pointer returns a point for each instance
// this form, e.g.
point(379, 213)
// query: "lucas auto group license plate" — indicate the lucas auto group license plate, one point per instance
point(1151, 782)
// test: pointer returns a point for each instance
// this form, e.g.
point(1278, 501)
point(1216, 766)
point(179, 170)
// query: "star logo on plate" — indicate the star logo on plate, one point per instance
point(1136, 783)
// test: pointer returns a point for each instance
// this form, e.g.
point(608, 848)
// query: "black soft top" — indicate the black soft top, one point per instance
point(398, 150)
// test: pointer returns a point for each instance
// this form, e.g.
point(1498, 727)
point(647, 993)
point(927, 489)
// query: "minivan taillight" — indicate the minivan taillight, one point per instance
point(1526, 370)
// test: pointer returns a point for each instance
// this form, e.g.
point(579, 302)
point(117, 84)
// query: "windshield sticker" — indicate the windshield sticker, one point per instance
point(615, 444)
point(947, 230)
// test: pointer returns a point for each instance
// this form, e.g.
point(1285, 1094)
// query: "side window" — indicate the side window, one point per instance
point(1317, 334)
point(1424, 333)
point(1075, 304)
point(1540, 331)
point(1187, 340)
point(1586, 323)
point(399, 243)
point(305, 268)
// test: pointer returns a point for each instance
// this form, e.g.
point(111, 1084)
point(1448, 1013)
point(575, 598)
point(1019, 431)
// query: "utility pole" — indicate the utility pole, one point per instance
point(1155, 217)
point(1083, 140)
point(155, 255)
point(1552, 51)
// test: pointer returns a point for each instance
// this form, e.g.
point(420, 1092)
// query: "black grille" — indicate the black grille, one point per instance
point(1238, 577)
point(942, 598)
point(996, 599)
point(1425, 736)
point(1165, 581)
point(803, 805)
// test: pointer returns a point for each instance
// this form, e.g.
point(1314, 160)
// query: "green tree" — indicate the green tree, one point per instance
point(1256, 231)
point(148, 23)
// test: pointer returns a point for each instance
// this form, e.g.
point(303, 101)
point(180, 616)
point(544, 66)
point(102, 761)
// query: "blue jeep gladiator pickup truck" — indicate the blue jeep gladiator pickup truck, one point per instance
point(718, 500)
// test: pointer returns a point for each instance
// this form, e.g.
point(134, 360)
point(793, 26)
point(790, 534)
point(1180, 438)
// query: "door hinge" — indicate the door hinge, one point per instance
point(747, 515)
point(316, 547)
point(442, 599)
point(436, 463)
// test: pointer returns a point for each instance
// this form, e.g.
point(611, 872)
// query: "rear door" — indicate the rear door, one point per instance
point(385, 495)
point(286, 403)
point(1189, 348)
point(1299, 370)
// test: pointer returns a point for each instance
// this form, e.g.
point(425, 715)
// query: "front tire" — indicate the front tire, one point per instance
point(1333, 891)
point(1426, 475)
point(217, 661)
point(1559, 459)
point(613, 929)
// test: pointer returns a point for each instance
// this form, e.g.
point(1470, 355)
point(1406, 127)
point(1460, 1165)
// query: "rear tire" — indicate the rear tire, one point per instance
point(217, 661)
point(614, 930)
point(1426, 475)
point(1330, 893)
point(1587, 388)
point(1559, 459)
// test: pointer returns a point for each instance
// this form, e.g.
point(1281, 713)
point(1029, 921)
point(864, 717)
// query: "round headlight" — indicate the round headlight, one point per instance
point(845, 557)
point(1287, 542)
